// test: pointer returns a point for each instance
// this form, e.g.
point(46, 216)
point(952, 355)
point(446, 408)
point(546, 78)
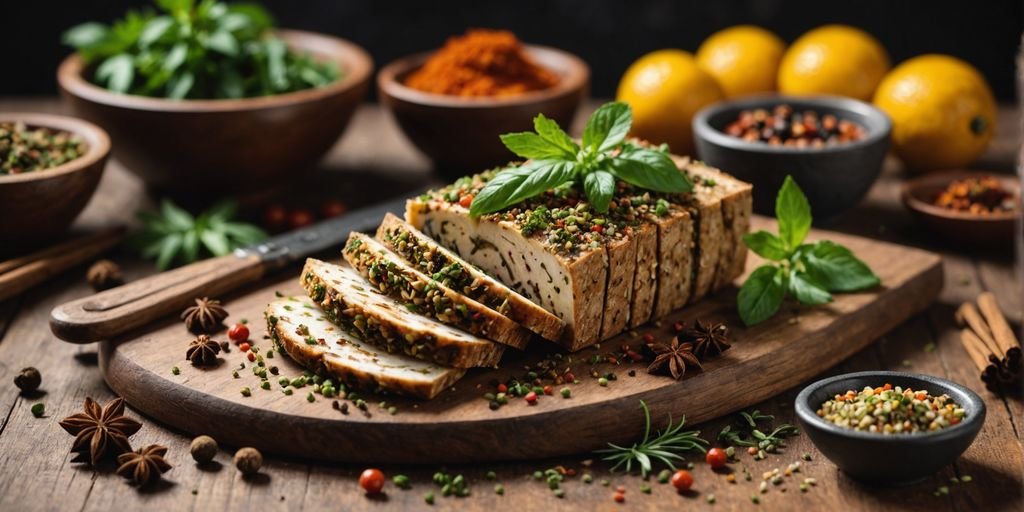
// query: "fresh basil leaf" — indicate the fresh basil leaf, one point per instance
point(806, 290)
point(761, 295)
point(233, 21)
point(766, 245)
point(223, 42)
point(600, 187)
point(117, 72)
point(276, 51)
point(793, 213)
point(607, 126)
point(533, 146)
point(648, 169)
point(176, 57)
point(259, 17)
point(155, 29)
point(549, 130)
point(514, 185)
point(836, 268)
point(179, 85)
point(85, 35)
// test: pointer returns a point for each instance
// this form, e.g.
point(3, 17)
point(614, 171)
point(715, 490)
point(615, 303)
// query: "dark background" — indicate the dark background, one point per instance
point(607, 34)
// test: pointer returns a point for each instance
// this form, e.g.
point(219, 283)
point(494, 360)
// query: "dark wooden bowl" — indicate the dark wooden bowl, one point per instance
point(37, 206)
point(226, 146)
point(461, 134)
point(995, 230)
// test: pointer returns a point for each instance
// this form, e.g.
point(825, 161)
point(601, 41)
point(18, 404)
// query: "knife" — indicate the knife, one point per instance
point(119, 310)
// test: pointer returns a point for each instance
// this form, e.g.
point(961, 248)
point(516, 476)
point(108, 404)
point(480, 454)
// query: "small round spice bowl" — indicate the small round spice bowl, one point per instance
point(36, 206)
point(988, 230)
point(889, 459)
point(461, 134)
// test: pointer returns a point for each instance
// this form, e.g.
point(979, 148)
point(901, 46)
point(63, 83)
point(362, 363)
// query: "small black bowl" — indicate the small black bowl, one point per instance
point(889, 459)
point(834, 178)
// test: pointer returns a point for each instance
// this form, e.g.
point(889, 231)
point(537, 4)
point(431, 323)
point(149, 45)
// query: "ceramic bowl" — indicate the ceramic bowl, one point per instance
point(971, 230)
point(834, 178)
point(461, 134)
point(37, 206)
point(889, 459)
point(214, 146)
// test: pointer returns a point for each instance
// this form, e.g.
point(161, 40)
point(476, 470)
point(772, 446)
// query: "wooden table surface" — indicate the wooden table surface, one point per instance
point(35, 472)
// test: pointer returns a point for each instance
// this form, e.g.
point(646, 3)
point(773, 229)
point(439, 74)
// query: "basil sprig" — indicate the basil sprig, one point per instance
point(602, 156)
point(807, 272)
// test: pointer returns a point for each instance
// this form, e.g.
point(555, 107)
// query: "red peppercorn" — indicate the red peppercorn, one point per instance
point(570, 377)
point(619, 497)
point(648, 338)
point(620, 489)
point(502, 388)
point(244, 347)
point(252, 356)
point(682, 480)
point(332, 208)
point(716, 458)
point(238, 333)
point(548, 390)
point(679, 326)
point(597, 228)
point(299, 218)
point(531, 398)
point(274, 217)
point(752, 450)
point(372, 481)
point(466, 200)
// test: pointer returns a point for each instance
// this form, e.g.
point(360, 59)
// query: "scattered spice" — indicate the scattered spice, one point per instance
point(177, 371)
point(203, 449)
point(979, 196)
point(676, 357)
point(205, 316)
point(709, 339)
point(891, 410)
point(24, 149)
point(248, 460)
point(38, 410)
point(666, 446)
point(144, 465)
point(203, 351)
point(481, 63)
point(99, 430)
point(782, 126)
point(103, 275)
point(28, 379)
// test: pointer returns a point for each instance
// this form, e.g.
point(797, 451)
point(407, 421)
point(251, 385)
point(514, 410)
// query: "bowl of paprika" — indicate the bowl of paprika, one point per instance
point(454, 103)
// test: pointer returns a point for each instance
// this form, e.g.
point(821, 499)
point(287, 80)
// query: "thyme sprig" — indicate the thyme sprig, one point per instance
point(666, 446)
point(748, 433)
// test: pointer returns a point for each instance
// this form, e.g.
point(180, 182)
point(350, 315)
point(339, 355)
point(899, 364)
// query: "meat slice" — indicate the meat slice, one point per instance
point(351, 302)
point(304, 332)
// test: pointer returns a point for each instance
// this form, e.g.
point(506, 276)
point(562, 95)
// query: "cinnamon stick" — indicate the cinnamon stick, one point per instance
point(1002, 334)
point(968, 315)
point(975, 349)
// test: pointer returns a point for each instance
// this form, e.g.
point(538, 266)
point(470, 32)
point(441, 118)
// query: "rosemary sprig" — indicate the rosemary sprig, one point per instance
point(666, 446)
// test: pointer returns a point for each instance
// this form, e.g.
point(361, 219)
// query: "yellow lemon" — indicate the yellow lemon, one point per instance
point(942, 110)
point(834, 59)
point(744, 59)
point(665, 89)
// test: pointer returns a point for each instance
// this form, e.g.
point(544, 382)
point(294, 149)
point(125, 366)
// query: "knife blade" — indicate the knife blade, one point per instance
point(119, 310)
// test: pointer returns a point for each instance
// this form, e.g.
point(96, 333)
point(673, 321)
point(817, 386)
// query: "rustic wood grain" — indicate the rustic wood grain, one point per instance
point(35, 475)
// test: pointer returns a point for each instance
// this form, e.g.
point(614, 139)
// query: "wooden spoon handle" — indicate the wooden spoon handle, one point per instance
point(20, 274)
point(119, 310)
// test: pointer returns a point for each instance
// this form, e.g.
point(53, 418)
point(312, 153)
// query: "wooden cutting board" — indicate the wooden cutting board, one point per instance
point(458, 425)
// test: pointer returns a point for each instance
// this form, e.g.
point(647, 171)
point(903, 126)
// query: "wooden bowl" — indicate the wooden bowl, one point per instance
point(461, 134)
point(996, 229)
point(36, 206)
point(226, 146)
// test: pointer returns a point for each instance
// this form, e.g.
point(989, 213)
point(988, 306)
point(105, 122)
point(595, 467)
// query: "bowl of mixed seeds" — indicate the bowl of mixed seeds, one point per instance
point(890, 428)
point(49, 168)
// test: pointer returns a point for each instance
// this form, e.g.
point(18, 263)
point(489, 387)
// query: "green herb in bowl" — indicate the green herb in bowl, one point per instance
point(195, 50)
point(24, 149)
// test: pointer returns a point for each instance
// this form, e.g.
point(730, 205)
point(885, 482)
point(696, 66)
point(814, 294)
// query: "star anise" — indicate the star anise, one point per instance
point(203, 351)
point(98, 430)
point(144, 465)
point(709, 339)
point(104, 274)
point(204, 316)
point(677, 357)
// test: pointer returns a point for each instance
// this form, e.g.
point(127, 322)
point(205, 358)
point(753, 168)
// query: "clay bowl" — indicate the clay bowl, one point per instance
point(963, 228)
point(834, 178)
point(461, 134)
point(213, 146)
point(36, 206)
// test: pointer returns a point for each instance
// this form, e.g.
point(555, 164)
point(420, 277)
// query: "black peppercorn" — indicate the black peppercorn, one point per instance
point(28, 380)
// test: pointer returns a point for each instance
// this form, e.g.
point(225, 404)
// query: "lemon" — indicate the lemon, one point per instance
point(744, 59)
point(834, 59)
point(942, 110)
point(666, 88)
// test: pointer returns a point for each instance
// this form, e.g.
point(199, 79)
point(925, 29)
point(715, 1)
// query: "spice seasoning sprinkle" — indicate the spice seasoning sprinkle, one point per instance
point(891, 410)
point(782, 126)
point(979, 196)
point(24, 149)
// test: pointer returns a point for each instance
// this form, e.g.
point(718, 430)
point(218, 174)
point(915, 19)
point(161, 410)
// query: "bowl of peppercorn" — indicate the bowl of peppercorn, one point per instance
point(890, 428)
point(971, 209)
point(833, 147)
point(50, 166)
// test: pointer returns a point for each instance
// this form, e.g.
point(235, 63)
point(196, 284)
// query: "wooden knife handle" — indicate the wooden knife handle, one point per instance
point(119, 310)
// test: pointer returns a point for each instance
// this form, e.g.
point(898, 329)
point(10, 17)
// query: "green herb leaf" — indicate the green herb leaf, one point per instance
point(667, 446)
point(648, 169)
point(168, 249)
point(516, 184)
point(531, 145)
point(550, 131)
point(180, 85)
point(175, 236)
point(155, 29)
point(836, 268)
point(806, 290)
point(793, 213)
point(766, 245)
point(117, 72)
point(86, 35)
point(607, 126)
point(600, 187)
point(761, 295)
point(222, 41)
